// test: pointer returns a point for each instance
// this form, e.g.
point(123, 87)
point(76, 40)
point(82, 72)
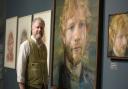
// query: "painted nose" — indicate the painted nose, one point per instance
point(77, 34)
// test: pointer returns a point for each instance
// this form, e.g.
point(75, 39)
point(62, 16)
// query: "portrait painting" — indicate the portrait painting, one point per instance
point(24, 30)
point(118, 36)
point(46, 16)
point(10, 42)
point(75, 44)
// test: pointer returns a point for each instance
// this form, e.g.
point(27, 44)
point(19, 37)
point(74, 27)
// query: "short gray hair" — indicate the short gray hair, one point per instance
point(38, 19)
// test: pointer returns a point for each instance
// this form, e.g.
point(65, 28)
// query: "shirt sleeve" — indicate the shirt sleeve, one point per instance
point(24, 51)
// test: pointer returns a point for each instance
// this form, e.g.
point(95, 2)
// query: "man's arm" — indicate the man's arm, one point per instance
point(21, 63)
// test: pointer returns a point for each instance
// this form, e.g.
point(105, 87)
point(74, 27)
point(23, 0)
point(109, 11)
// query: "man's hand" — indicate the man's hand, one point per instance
point(53, 87)
point(21, 85)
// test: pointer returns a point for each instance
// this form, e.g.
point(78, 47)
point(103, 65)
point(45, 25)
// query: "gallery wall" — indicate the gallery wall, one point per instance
point(2, 25)
point(114, 73)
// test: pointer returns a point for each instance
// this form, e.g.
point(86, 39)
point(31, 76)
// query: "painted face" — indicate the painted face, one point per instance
point(37, 29)
point(10, 46)
point(120, 43)
point(75, 37)
point(10, 42)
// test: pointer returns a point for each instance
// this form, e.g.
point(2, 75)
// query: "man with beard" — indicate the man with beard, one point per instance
point(32, 60)
point(74, 22)
point(118, 36)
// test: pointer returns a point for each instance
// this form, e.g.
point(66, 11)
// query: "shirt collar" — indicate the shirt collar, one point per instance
point(32, 37)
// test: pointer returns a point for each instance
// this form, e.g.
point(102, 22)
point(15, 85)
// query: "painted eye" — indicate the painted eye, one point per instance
point(71, 28)
point(120, 36)
point(82, 25)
